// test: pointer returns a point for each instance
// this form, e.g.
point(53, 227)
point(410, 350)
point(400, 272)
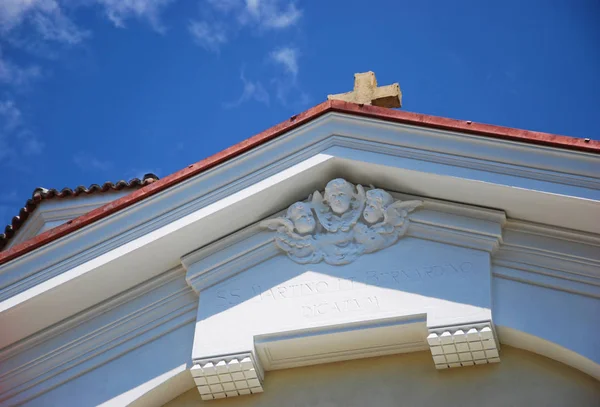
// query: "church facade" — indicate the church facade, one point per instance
point(352, 255)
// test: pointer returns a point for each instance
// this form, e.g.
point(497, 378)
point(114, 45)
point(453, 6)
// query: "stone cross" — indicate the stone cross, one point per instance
point(366, 92)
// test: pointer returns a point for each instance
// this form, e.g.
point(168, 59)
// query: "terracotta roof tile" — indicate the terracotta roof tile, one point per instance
point(43, 194)
point(380, 113)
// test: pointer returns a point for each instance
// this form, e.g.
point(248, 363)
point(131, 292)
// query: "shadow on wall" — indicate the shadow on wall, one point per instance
point(414, 274)
point(522, 379)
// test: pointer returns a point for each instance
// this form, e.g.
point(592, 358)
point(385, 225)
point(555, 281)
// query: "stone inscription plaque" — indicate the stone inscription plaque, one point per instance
point(316, 295)
point(445, 284)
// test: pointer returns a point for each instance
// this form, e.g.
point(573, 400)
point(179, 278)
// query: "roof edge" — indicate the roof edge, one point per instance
point(525, 136)
point(42, 194)
point(467, 126)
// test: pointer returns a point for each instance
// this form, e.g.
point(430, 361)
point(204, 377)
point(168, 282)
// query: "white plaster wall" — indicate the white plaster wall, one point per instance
point(125, 379)
point(567, 319)
point(415, 277)
point(521, 379)
point(112, 353)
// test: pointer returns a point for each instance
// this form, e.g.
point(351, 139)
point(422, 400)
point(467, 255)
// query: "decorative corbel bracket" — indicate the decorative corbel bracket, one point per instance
point(228, 376)
point(465, 345)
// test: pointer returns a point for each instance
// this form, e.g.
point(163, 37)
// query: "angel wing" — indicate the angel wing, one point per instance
point(301, 249)
point(324, 214)
point(361, 195)
point(396, 213)
point(317, 202)
point(277, 223)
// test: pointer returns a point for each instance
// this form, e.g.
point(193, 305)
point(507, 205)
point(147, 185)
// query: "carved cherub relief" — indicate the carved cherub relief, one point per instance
point(386, 220)
point(342, 206)
point(351, 222)
point(294, 233)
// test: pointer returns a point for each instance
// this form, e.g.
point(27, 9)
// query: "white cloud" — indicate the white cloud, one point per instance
point(287, 88)
point(270, 14)
point(32, 25)
point(45, 17)
point(252, 91)
point(253, 6)
point(224, 19)
point(58, 28)
point(88, 162)
point(120, 10)
point(273, 17)
point(288, 58)
point(233, 15)
point(208, 36)
point(13, 12)
point(16, 138)
point(10, 115)
point(48, 20)
point(12, 74)
point(29, 143)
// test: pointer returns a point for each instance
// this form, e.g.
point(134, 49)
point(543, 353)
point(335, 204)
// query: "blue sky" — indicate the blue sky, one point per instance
point(99, 90)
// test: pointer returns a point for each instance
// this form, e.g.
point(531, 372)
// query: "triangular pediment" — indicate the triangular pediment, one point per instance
point(492, 223)
point(156, 233)
point(349, 259)
point(328, 239)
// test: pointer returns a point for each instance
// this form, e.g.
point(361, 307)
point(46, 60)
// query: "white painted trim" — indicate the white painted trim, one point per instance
point(156, 392)
point(418, 161)
point(550, 257)
point(87, 341)
point(60, 210)
point(336, 343)
point(546, 277)
point(220, 205)
point(522, 340)
point(444, 222)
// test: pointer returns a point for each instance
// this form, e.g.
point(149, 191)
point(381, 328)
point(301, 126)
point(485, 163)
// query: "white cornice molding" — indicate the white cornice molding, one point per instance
point(90, 339)
point(444, 222)
point(550, 257)
point(334, 343)
point(476, 164)
point(247, 188)
point(225, 258)
point(14, 281)
point(61, 210)
point(471, 151)
point(551, 239)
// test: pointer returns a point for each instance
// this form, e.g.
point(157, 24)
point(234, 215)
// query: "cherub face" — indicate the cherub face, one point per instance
point(338, 194)
point(302, 216)
point(377, 200)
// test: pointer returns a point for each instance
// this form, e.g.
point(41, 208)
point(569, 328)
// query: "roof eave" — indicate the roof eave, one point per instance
point(397, 116)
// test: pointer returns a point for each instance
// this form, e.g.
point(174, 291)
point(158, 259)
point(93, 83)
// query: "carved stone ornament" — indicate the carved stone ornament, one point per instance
point(349, 222)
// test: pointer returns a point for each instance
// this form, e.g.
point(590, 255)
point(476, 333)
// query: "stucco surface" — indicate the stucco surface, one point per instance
point(522, 379)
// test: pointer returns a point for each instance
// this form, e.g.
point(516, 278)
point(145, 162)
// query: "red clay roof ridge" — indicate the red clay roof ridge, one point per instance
point(380, 113)
point(39, 194)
